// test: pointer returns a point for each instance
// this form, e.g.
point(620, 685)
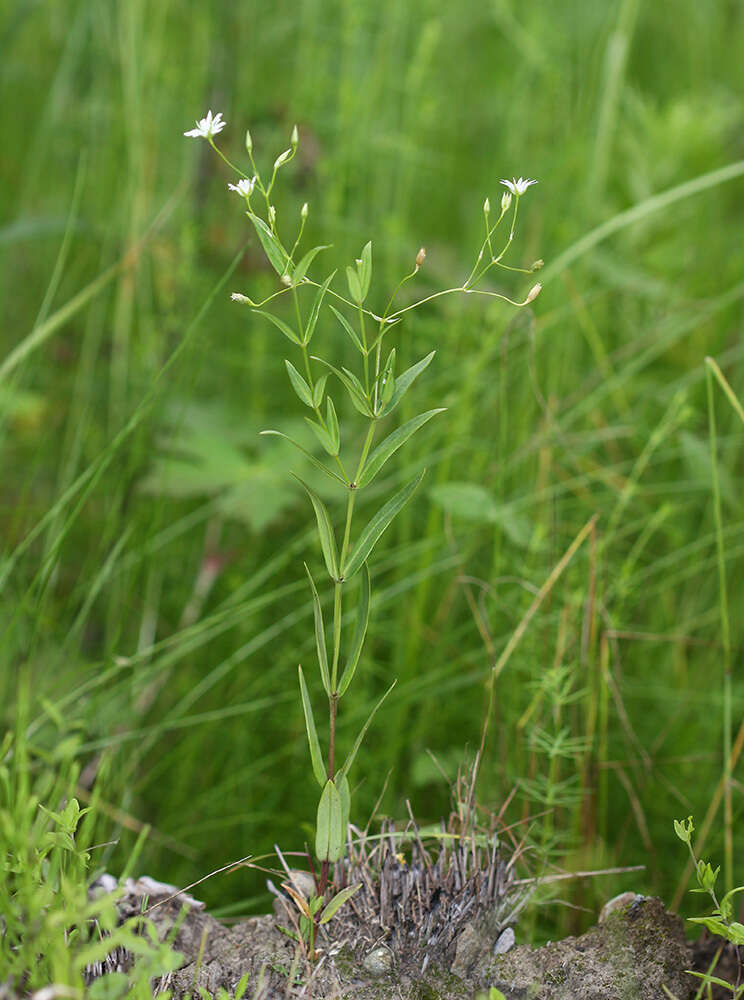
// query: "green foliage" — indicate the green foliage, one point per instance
point(166, 635)
point(52, 930)
point(720, 921)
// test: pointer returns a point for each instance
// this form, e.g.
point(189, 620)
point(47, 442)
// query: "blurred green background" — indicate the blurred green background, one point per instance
point(152, 543)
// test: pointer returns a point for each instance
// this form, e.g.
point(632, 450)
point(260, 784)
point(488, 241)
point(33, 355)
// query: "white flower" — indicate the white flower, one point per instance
point(244, 186)
point(533, 293)
point(208, 126)
point(518, 187)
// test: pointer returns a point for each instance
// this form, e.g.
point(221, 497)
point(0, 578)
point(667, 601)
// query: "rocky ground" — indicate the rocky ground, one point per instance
point(638, 949)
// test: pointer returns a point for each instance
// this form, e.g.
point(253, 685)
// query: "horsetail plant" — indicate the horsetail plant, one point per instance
point(374, 391)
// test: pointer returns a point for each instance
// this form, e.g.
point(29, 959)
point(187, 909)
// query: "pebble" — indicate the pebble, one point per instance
point(378, 962)
point(504, 942)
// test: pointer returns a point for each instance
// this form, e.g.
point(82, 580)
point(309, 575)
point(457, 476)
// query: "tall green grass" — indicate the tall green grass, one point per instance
point(152, 593)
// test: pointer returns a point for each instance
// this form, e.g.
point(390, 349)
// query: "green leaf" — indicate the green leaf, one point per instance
point(319, 390)
point(316, 755)
point(332, 425)
point(338, 901)
point(391, 444)
point(329, 834)
point(323, 436)
point(369, 537)
point(280, 325)
point(355, 287)
point(301, 270)
point(274, 250)
point(299, 385)
point(317, 303)
point(353, 387)
point(404, 382)
point(310, 457)
point(325, 531)
point(349, 329)
point(344, 772)
point(365, 271)
point(320, 643)
point(359, 634)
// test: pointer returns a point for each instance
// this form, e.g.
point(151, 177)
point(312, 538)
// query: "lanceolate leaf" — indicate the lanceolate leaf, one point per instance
point(316, 756)
point(323, 436)
point(403, 383)
point(355, 287)
point(359, 633)
point(343, 773)
point(281, 325)
point(391, 444)
point(310, 457)
point(332, 425)
point(320, 643)
point(274, 251)
point(338, 901)
point(353, 387)
point(319, 389)
point(317, 303)
point(369, 537)
point(349, 329)
point(325, 531)
point(301, 270)
point(299, 385)
point(329, 834)
point(365, 274)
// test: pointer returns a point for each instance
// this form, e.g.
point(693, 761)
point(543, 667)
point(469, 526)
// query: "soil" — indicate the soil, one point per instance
point(630, 955)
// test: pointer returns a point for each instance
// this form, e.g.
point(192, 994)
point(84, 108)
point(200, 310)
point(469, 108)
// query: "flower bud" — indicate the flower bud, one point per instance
point(533, 293)
point(237, 297)
point(486, 207)
point(286, 280)
point(304, 210)
point(537, 265)
point(272, 216)
point(420, 257)
point(248, 142)
point(282, 158)
point(506, 199)
point(294, 141)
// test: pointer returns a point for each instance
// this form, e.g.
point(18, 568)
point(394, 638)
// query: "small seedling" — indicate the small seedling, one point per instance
point(720, 921)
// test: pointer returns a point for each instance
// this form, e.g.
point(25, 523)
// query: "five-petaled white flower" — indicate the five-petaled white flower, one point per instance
point(518, 187)
point(244, 186)
point(208, 126)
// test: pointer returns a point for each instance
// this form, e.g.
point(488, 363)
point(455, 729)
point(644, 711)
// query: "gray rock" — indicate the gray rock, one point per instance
point(630, 956)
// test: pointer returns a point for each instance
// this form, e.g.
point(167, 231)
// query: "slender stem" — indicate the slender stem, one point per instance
point(223, 157)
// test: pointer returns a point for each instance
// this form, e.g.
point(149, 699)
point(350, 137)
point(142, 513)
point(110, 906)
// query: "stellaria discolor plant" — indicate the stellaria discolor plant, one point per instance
point(374, 391)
